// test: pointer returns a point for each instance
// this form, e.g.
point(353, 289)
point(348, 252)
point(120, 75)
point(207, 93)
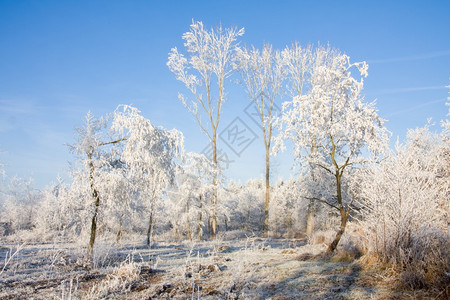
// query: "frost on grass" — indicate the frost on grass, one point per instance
point(251, 268)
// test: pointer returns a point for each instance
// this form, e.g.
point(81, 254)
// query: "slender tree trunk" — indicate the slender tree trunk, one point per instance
point(93, 229)
point(275, 231)
point(266, 204)
point(119, 233)
point(344, 218)
point(189, 232)
point(150, 228)
point(226, 222)
point(95, 195)
point(310, 218)
point(96, 198)
point(210, 228)
point(199, 229)
point(343, 212)
point(188, 227)
point(214, 212)
point(311, 213)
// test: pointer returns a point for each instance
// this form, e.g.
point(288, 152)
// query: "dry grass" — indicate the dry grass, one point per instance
point(240, 269)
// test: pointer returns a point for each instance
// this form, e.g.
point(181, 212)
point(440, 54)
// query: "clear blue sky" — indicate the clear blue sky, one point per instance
point(60, 59)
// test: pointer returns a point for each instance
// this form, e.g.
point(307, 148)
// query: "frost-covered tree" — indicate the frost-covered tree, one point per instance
point(149, 154)
point(51, 218)
point(287, 210)
point(406, 206)
point(118, 199)
point(248, 212)
point(19, 204)
point(332, 128)
point(97, 153)
point(191, 197)
point(299, 63)
point(204, 71)
point(126, 166)
point(263, 73)
point(19, 211)
point(202, 171)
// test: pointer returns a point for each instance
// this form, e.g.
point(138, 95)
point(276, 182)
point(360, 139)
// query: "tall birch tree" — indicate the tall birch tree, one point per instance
point(263, 74)
point(204, 71)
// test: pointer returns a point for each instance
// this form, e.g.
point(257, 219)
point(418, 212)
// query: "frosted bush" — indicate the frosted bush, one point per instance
point(321, 237)
point(119, 279)
point(407, 207)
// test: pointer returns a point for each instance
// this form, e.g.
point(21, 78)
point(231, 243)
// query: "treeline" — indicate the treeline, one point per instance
point(133, 179)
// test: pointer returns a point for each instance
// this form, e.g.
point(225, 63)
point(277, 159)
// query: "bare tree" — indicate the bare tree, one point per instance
point(204, 73)
point(263, 74)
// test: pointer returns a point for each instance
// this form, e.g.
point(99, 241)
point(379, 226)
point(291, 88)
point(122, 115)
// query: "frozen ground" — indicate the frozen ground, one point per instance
point(238, 269)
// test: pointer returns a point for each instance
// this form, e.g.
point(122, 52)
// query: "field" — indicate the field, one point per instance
point(251, 268)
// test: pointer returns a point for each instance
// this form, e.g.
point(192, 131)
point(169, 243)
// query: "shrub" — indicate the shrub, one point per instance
point(406, 210)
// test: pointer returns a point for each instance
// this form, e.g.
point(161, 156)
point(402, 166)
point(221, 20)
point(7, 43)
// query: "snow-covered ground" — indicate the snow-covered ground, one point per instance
point(238, 269)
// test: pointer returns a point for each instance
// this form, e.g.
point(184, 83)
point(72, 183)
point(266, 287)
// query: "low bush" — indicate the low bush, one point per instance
point(406, 208)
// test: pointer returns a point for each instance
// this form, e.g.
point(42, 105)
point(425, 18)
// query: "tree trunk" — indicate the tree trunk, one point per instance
point(343, 212)
point(199, 230)
point(275, 231)
point(226, 222)
point(344, 218)
point(310, 219)
point(189, 232)
point(96, 197)
point(93, 230)
point(119, 233)
point(187, 222)
point(214, 217)
point(150, 228)
point(177, 238)
point(266, 204)
point(209, 228)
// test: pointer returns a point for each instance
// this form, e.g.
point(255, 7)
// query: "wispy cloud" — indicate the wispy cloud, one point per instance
point(415, 107)
point(423, 56)
point(14, 107)
point(409, 89)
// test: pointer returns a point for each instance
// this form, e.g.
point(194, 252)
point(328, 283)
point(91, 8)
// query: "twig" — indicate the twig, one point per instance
point(10, 256)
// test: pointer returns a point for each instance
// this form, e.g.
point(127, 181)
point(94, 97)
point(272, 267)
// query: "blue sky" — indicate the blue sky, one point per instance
point(60, 59)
